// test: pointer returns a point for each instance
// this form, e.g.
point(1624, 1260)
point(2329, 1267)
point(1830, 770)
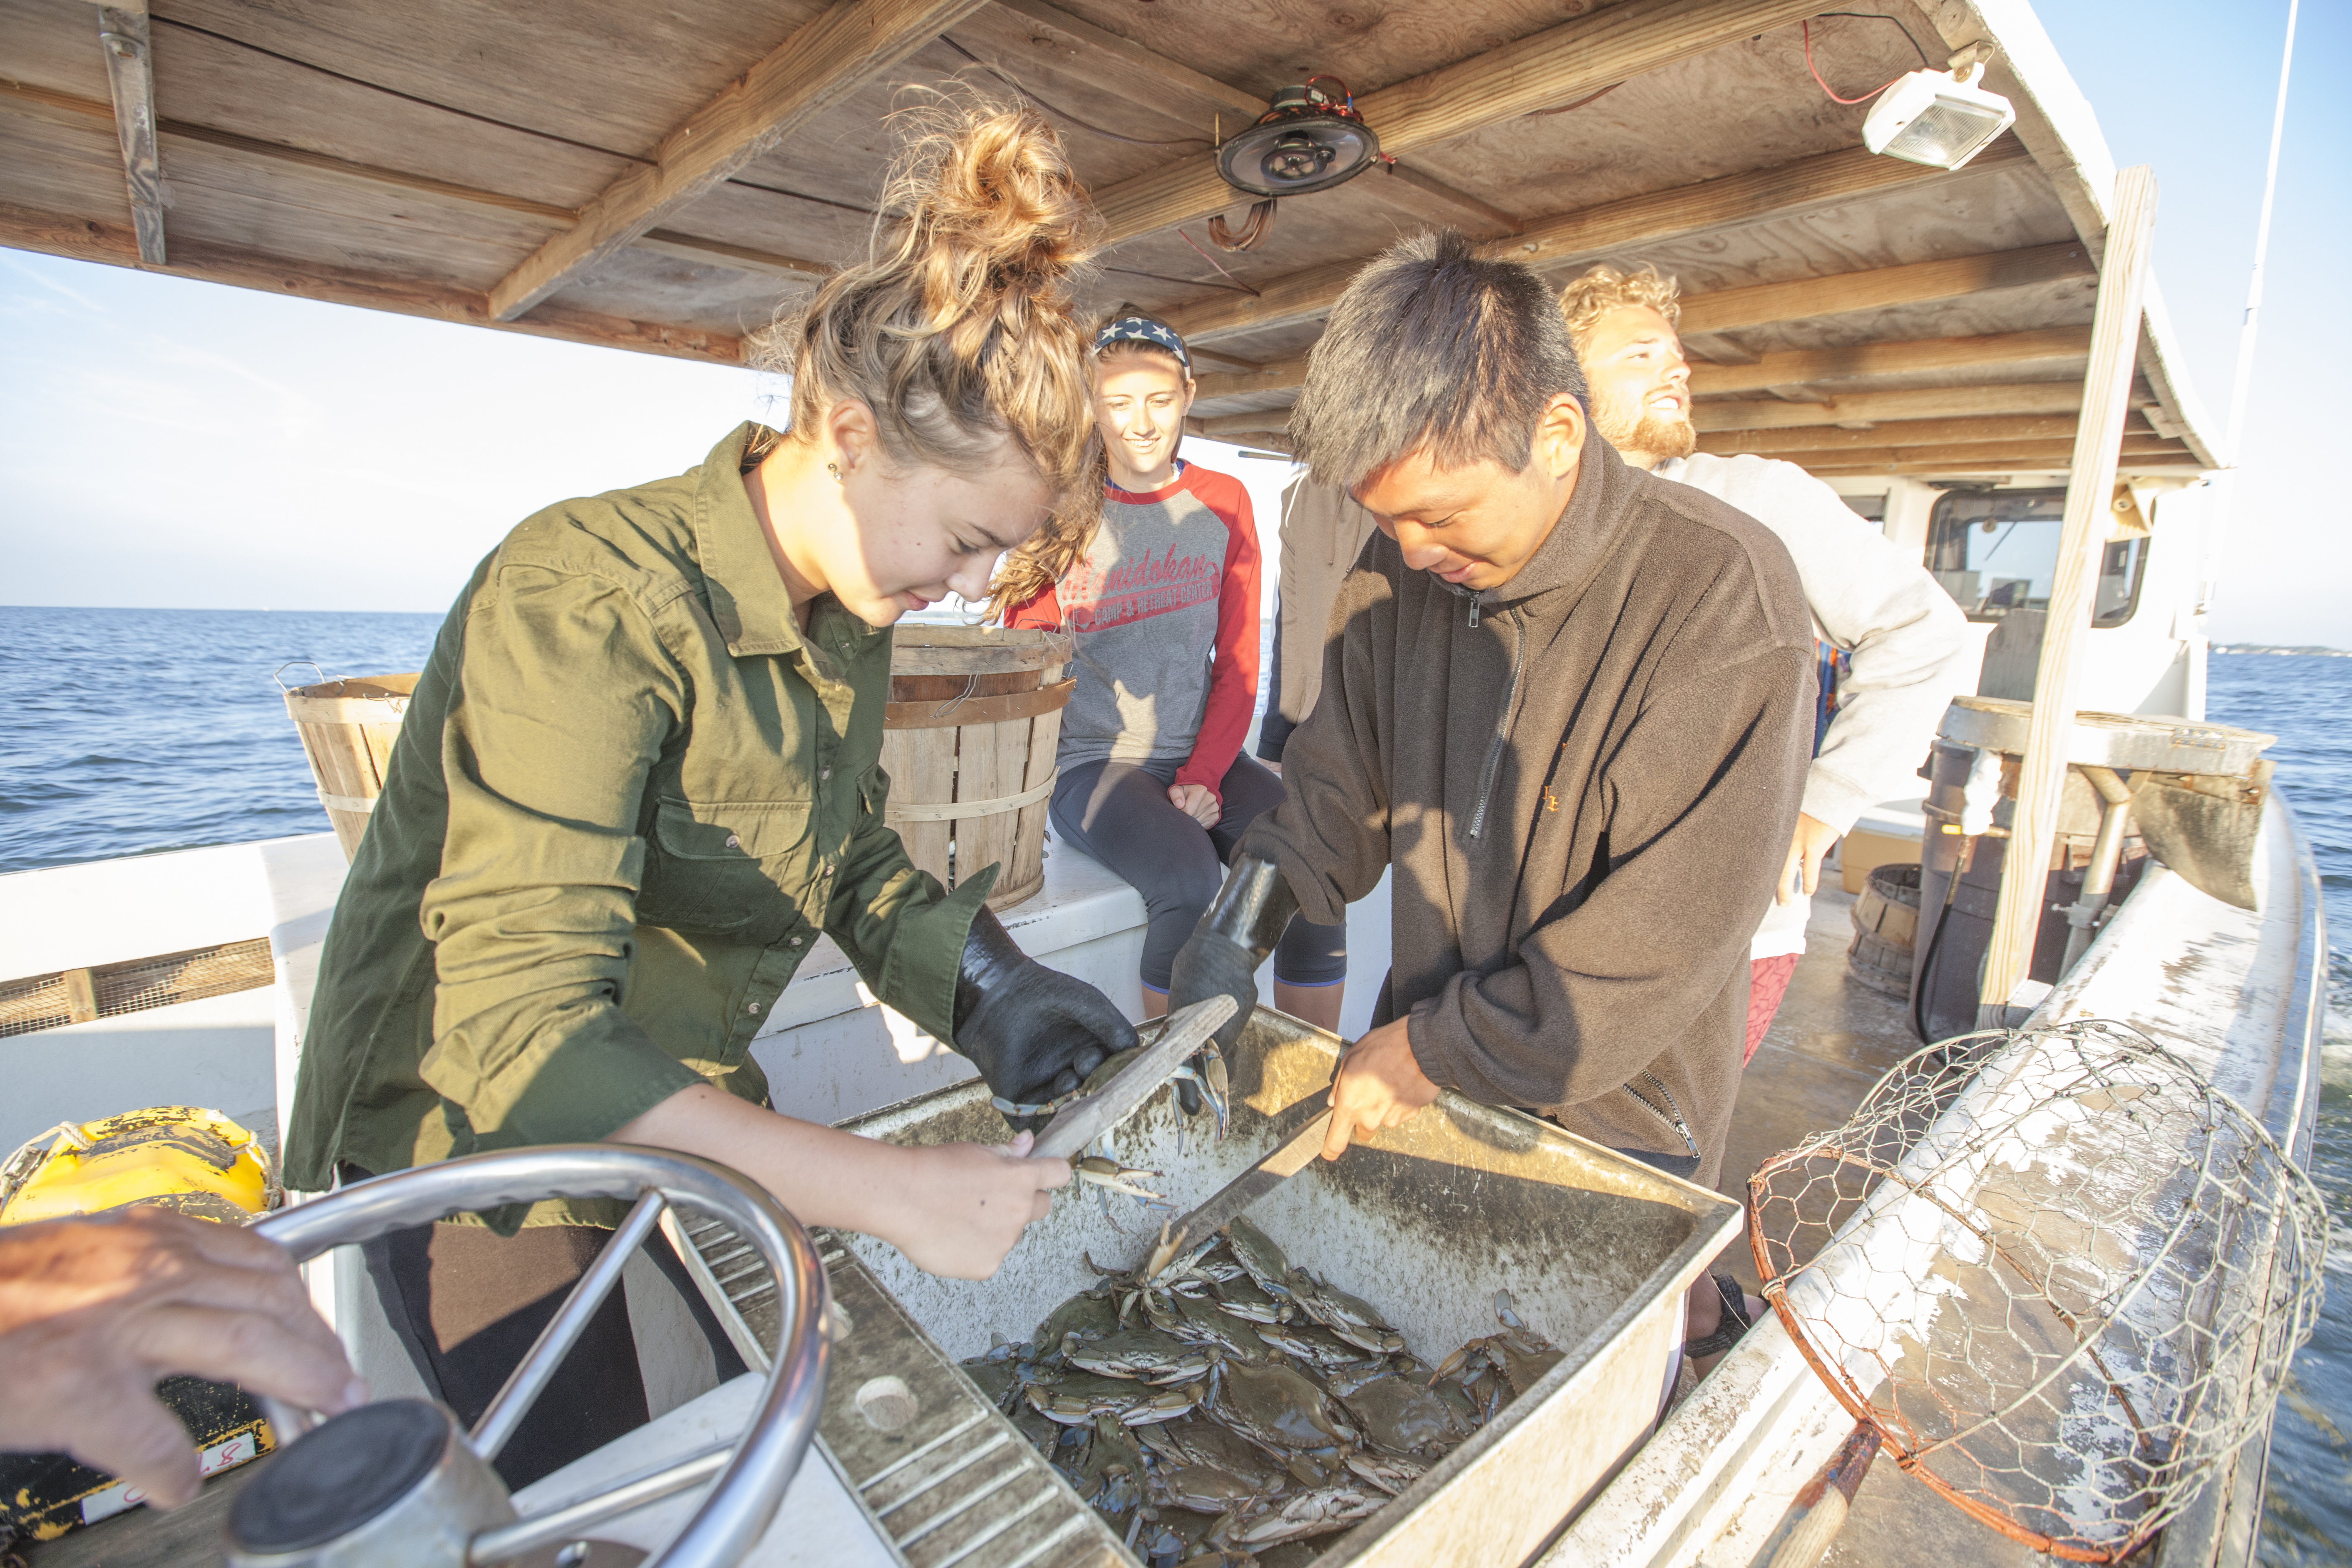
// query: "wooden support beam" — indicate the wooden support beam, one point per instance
point(1273, 422)
point(81, 990)
point(2041, 778)
point(821, 66)
point(1746, 425)
point(25, 229)
point(1799, 365)
point(66, 109)
point(719, 253)
point(1502, 83)
point(1900, 433)
point(1432, 200)
point(130, 77)
point(1123, 62)
point(1801, 298)
point(1276, 439)
point(1284, 375)
point(2185, 465)
point(1975, 454)
point(1870, 407)
point(1654, 218)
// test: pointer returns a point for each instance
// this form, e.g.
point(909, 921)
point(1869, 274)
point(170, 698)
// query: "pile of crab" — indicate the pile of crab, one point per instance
point(1219, 1405)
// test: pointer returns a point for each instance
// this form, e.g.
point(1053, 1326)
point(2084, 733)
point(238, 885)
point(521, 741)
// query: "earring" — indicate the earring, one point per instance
point(834, 470)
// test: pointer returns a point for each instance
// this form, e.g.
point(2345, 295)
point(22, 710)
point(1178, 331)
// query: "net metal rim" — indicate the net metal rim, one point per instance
point(1955, 1067)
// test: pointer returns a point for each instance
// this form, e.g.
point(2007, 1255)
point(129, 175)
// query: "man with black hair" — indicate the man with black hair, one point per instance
point(1571, 706)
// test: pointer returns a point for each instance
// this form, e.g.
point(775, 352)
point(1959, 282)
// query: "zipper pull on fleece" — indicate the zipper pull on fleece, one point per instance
point(1473, 612)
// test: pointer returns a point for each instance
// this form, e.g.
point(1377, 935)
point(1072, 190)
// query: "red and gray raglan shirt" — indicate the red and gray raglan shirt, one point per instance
point(1164, 611)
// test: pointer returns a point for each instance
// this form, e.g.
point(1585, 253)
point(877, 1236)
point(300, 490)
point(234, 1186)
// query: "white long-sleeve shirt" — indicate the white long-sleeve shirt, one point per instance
point(1907, 646)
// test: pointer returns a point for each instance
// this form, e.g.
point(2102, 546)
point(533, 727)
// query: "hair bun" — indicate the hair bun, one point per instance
point(991, 209)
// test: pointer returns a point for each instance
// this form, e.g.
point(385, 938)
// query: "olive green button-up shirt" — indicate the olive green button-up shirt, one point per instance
point(628, 795)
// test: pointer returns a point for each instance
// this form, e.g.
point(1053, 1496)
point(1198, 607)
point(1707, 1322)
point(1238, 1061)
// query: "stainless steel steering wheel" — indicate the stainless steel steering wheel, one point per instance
point(396, 1482)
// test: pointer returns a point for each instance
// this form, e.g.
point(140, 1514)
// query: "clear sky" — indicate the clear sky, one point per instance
point(177, 444)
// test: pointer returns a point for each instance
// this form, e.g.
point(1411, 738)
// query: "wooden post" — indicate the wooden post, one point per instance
point(123, 34)
point(2106, 398)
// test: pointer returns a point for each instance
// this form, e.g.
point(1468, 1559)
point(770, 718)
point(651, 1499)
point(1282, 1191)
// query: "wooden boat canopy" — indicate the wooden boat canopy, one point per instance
point(659, 178)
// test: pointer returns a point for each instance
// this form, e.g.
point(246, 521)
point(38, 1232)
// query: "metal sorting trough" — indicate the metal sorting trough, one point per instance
point(1426, 1222)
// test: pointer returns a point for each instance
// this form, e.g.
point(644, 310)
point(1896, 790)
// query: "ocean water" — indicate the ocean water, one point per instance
point(132, 731)
point(2306, 702)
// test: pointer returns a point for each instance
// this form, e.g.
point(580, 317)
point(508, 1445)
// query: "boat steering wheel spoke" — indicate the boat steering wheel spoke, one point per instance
point(399, 1481)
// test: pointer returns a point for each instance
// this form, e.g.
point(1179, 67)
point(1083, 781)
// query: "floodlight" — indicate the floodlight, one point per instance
point(1937, 118)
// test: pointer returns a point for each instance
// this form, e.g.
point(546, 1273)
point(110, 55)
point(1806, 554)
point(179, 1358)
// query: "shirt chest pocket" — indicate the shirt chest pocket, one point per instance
point(726, 866)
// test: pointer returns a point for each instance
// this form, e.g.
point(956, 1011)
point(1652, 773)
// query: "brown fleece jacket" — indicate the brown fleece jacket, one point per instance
point(1587, 780)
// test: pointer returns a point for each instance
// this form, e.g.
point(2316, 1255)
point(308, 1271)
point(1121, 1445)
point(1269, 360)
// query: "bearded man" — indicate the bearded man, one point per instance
point(1905, 645)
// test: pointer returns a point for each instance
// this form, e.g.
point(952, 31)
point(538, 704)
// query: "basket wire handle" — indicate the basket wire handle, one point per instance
point(278, 674)
point(970, 685)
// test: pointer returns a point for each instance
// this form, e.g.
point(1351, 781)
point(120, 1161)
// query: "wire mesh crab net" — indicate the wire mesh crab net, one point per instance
point(2059, 1272)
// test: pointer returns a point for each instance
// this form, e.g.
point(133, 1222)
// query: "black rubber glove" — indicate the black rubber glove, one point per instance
point(1221, 956)
point(1034, 1032)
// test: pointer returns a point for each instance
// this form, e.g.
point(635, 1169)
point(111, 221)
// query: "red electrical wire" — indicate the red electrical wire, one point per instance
point(1213, 261)
point(1825, 86)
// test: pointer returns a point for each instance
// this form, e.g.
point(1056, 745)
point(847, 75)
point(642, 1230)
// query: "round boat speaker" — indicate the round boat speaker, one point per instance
point(1309, 141)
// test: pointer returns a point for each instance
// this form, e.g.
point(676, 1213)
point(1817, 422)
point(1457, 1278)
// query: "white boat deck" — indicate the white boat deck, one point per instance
point(2231, 990)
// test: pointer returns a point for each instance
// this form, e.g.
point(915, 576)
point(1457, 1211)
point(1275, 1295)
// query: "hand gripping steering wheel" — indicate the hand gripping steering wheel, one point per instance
point(398, 1484)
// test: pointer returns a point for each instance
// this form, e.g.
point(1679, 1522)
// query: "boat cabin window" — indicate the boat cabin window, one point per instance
point(1869, 508)
point(1995, 551)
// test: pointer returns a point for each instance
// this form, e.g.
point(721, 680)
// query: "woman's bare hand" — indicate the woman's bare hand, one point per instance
point(968, 1203)
point(93, 1311)
point(954, 1209)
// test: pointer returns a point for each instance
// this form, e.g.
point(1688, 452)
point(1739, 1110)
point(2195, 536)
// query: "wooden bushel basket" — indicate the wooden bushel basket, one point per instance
point(347, 729)
point(1885, 924)
point(968, 741)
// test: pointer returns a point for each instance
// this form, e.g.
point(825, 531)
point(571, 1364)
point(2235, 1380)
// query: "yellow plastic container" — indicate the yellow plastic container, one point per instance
point(178, 1157)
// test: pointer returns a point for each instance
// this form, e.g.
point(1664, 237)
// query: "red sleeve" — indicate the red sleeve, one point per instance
point(1233, 672)
point(1042, 610)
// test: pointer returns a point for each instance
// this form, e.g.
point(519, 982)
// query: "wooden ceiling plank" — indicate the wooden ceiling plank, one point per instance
point(1654, 218)
point(83, 239)
point(1922, 402)
point(819, 67)
point(1801, 298)
point(1102, 41)
point(35, 102)
point(1891, 358)
point(1526, 74)
point(131, 76)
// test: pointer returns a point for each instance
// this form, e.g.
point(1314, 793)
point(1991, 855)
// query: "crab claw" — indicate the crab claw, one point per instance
point(1115, 1177)
point(1208, 1070)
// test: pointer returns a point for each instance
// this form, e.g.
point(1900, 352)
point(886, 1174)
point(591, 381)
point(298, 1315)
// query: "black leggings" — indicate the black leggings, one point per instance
point(468, 1304)
point(1120, 813)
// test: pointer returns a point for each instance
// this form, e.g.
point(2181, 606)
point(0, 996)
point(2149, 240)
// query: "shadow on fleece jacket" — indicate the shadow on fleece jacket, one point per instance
point(1586, 780)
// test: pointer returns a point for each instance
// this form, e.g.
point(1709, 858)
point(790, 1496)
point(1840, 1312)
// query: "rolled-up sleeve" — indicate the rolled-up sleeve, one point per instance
point(533, 916)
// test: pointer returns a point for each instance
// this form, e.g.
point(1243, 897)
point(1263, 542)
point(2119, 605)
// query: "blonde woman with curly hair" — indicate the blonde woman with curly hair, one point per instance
point(639, 781)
